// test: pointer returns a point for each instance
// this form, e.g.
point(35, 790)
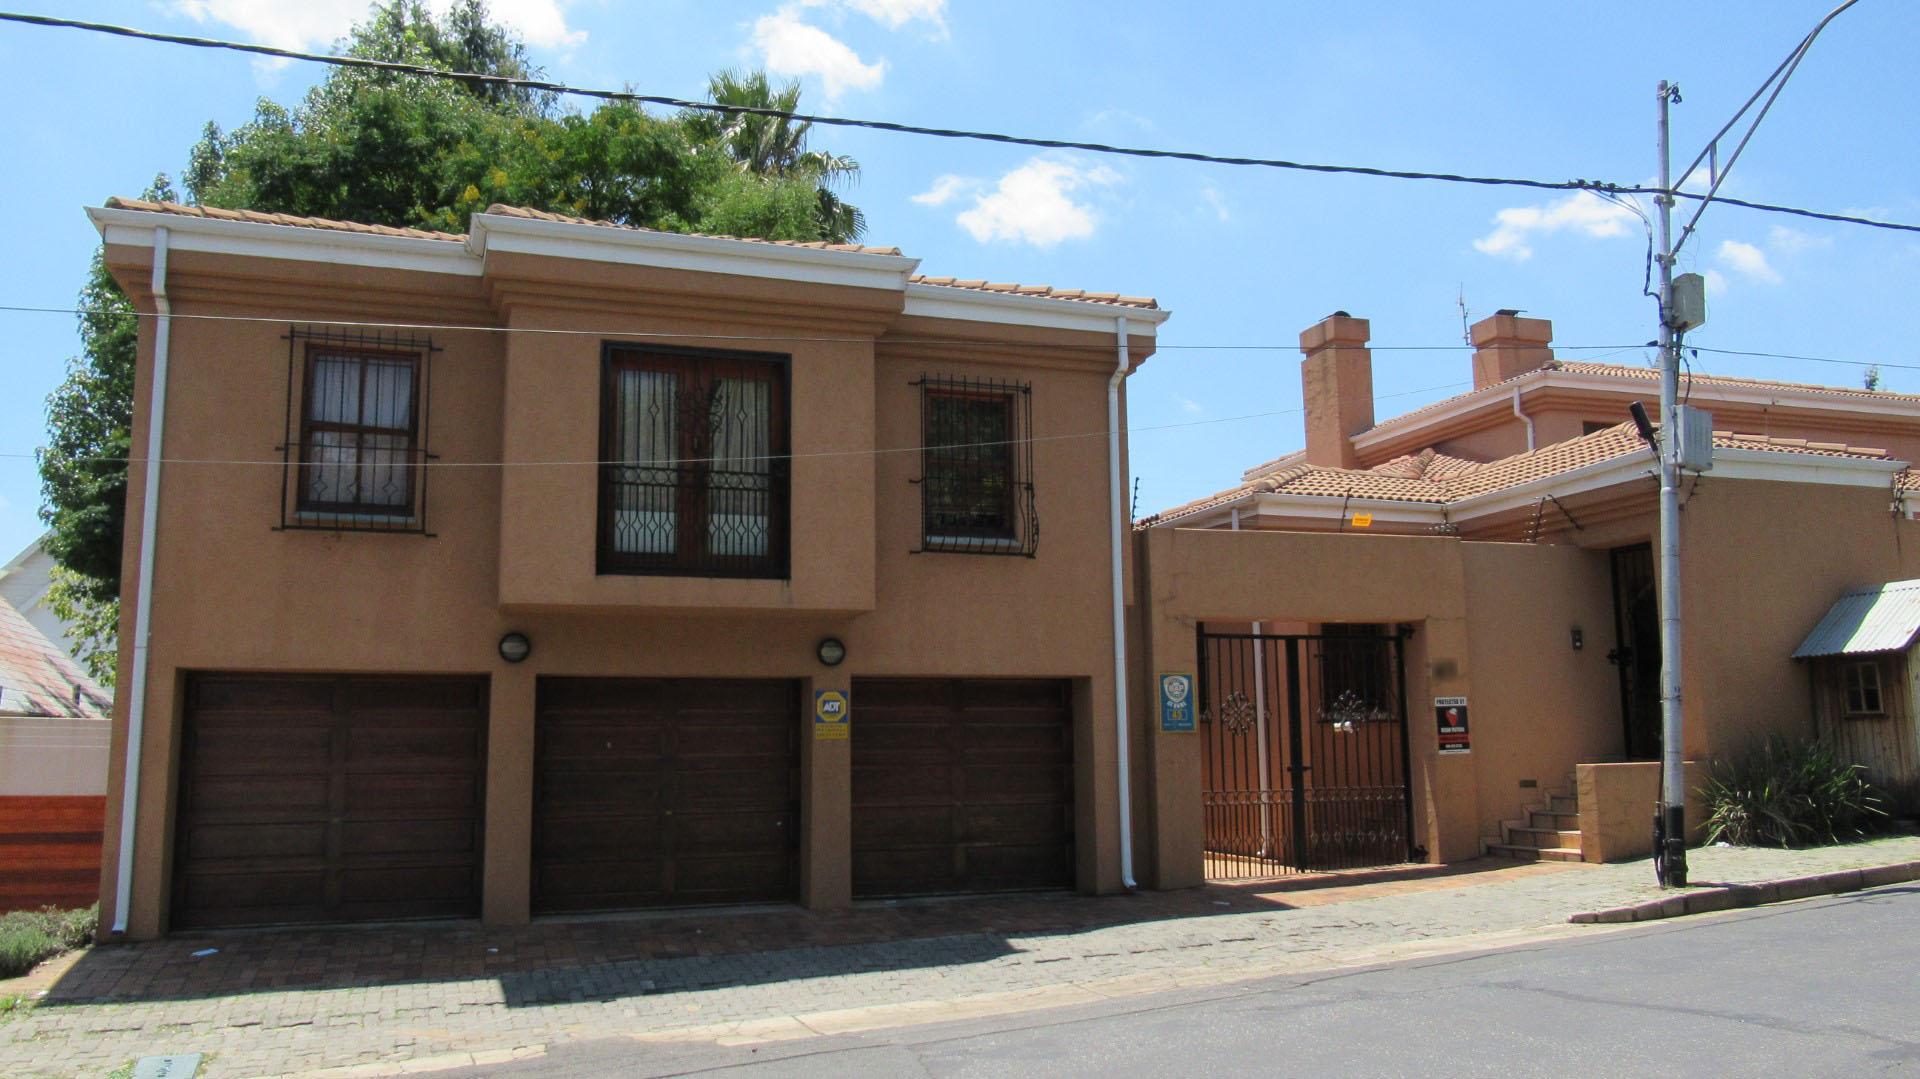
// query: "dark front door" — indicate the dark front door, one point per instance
point(962, 785)
point(329, 799)
point(1636, 617)
point(664, 792)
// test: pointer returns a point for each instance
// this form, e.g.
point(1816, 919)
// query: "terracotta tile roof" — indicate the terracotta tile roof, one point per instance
point(1113, 299)
point(530, 214)
point(1636, 374)
point(1145, 303)
point(216, 213)
point(38, 679)
point(1435, 479)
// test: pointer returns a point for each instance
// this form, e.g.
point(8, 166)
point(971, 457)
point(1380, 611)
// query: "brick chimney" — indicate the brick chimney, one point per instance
point(1336, 386)
point(1505, 345)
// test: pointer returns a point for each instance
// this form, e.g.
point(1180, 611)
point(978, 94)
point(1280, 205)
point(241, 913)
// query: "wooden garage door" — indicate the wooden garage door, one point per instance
point(329, 799)
point(962, 785)
point(657, 792)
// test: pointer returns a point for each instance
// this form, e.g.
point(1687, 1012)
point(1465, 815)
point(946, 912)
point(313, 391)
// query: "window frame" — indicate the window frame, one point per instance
point(1019, 532)
point(691, 556)
point(304, 503)
point(1848, 687)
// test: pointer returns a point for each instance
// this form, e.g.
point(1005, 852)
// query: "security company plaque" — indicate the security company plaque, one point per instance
point(830, 715)
point(1451, 715)
point(1176, 703)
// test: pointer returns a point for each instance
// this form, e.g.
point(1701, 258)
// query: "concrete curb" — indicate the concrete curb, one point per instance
point(1734, 896)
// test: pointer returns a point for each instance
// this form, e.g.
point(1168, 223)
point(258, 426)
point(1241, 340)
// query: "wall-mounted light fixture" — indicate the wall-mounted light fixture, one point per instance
point(515, 647)
point(1579, 639)
point(831, 651)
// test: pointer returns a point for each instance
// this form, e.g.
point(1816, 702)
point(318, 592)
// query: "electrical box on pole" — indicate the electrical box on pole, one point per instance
point(1693, 438)
point(1689, 308)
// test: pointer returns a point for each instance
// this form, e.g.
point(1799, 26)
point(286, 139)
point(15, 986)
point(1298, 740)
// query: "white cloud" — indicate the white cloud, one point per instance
point(1748, 261)
point(1034, 203)
point(1793, 241)
point(944, 189)
point(898, 13)
point(1582, 212)
point(1190, 406)
point(309, 24)
point(1215, 201)
point(1716, 283)
point(789, 46)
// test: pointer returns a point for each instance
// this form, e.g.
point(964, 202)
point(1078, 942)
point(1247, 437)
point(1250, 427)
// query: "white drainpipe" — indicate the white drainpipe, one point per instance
point(1116, 490)
point(1524, 418)
point(143, 601)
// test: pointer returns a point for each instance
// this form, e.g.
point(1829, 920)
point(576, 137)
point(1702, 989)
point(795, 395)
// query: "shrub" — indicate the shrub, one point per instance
point(29, 936)
point(1789, 793)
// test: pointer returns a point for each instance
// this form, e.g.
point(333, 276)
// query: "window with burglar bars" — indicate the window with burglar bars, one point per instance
point(976, 466)
point(354, 453)
point(694, 470)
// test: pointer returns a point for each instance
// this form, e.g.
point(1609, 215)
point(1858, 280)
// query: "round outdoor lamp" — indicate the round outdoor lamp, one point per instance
point(515, 647)
point(831, 651)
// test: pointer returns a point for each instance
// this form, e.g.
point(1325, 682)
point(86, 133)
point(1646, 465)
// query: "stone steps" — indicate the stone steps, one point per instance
point(1548, 831)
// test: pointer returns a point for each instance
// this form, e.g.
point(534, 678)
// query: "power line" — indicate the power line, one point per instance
point(668, 463)
point(544, 86)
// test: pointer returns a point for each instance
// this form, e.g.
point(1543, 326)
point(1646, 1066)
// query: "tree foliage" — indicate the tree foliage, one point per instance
point(410, 151)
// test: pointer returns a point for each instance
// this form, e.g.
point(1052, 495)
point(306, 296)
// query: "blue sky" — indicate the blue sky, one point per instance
point(1244, 257)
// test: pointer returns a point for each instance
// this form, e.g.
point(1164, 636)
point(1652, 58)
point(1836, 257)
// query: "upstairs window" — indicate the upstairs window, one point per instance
point(976, 467)
point(357, 462)
point(1861, 682)
point(694, 471)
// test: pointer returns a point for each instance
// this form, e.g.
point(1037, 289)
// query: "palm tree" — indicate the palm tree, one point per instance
point(776, 146)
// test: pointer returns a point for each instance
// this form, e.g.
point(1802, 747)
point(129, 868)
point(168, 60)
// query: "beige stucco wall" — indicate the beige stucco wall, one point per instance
point(512, 548)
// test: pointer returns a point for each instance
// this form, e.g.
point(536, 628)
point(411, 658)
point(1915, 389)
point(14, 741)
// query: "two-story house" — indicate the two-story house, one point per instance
point(546, 568)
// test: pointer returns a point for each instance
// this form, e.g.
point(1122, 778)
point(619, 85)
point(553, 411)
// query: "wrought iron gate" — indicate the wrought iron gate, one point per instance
point(1305, 763)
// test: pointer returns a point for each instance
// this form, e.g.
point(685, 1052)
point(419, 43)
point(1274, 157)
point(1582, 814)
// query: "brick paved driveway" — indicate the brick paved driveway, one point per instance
point(373, 1000)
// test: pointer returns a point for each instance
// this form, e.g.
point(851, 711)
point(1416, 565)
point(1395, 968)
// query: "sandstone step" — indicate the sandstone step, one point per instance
point(1534, 854)
point(1544, 838)
point(1563, 803)
point(1565, 822)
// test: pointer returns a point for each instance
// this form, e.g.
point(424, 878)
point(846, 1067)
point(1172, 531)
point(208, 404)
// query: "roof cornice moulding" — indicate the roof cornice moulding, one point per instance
point(135, 228)
point(1013, 309)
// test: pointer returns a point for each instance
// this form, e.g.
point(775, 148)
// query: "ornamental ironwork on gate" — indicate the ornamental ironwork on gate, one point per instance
point(1305, 763)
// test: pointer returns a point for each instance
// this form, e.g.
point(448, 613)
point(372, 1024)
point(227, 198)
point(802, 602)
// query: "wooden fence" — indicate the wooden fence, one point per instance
point(50, 851)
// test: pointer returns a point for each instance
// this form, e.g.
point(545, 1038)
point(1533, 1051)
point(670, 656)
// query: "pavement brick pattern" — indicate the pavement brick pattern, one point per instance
point(374, 1001)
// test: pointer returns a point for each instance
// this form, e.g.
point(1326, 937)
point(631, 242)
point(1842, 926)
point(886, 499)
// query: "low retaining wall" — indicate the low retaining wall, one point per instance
point(50, 850)
point(1617, 805)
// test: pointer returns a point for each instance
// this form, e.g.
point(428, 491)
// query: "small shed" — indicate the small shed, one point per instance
point(1863, 677)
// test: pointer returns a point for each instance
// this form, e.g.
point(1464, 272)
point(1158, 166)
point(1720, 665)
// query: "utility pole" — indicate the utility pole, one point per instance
point(1670, 822)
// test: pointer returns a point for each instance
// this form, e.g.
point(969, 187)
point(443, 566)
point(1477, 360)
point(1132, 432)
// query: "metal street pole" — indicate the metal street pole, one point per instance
point(1670, 823)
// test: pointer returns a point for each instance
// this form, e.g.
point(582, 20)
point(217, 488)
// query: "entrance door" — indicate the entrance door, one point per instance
point(664, 792)
point(1636, 617)
point(1304, 751)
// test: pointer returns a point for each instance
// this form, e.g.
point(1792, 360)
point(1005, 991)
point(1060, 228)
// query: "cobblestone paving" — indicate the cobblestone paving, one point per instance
point(371, 1001)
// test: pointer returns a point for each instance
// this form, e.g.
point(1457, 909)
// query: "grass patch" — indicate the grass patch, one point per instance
point(28, 937)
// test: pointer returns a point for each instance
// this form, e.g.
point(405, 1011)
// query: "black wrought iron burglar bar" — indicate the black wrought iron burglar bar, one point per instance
point(976, 467)
point(1305, 761)
point(354, 445)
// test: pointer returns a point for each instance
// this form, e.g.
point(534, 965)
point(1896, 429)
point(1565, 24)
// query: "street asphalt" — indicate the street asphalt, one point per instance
point(1823, 987)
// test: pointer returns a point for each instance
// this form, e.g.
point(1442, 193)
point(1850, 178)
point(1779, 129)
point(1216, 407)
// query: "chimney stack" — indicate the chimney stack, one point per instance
point(1336, 386)
point(1506, 345)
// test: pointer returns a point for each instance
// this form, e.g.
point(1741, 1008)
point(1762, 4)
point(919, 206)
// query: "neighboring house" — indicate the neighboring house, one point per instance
point(54, 728)
point(24, 582)
point(1496, 548)
point(1860, 656)
point(557, 548)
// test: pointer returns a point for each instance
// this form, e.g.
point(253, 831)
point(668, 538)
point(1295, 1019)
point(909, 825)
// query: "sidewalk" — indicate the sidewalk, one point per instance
point(371, 1000)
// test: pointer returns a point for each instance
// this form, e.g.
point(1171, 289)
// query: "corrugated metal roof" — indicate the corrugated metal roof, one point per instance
point(1883, 618)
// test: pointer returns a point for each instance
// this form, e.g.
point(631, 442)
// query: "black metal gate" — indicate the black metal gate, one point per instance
point(1305, 763)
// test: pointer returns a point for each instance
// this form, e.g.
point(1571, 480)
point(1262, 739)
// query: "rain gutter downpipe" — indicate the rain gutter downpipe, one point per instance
point(143, 592)
point(1116, 491)
point(1524, 418)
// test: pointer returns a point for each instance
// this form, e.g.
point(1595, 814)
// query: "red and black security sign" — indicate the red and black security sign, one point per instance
point(1451, 715)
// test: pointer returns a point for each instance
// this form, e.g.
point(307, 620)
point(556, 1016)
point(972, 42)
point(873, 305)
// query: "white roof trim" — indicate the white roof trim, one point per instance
point(1335, 507)
point(1013, 309)
point(134, 228)
point(677, 251)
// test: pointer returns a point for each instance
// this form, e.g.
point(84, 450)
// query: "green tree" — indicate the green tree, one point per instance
point(776, 147)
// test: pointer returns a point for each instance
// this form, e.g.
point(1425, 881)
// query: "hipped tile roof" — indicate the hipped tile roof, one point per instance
point(38, 679)
point(1436, 479)
point(1112, 299)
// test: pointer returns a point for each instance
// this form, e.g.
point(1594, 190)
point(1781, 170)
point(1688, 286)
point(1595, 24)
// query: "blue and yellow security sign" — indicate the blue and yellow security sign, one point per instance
point(830, 715)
